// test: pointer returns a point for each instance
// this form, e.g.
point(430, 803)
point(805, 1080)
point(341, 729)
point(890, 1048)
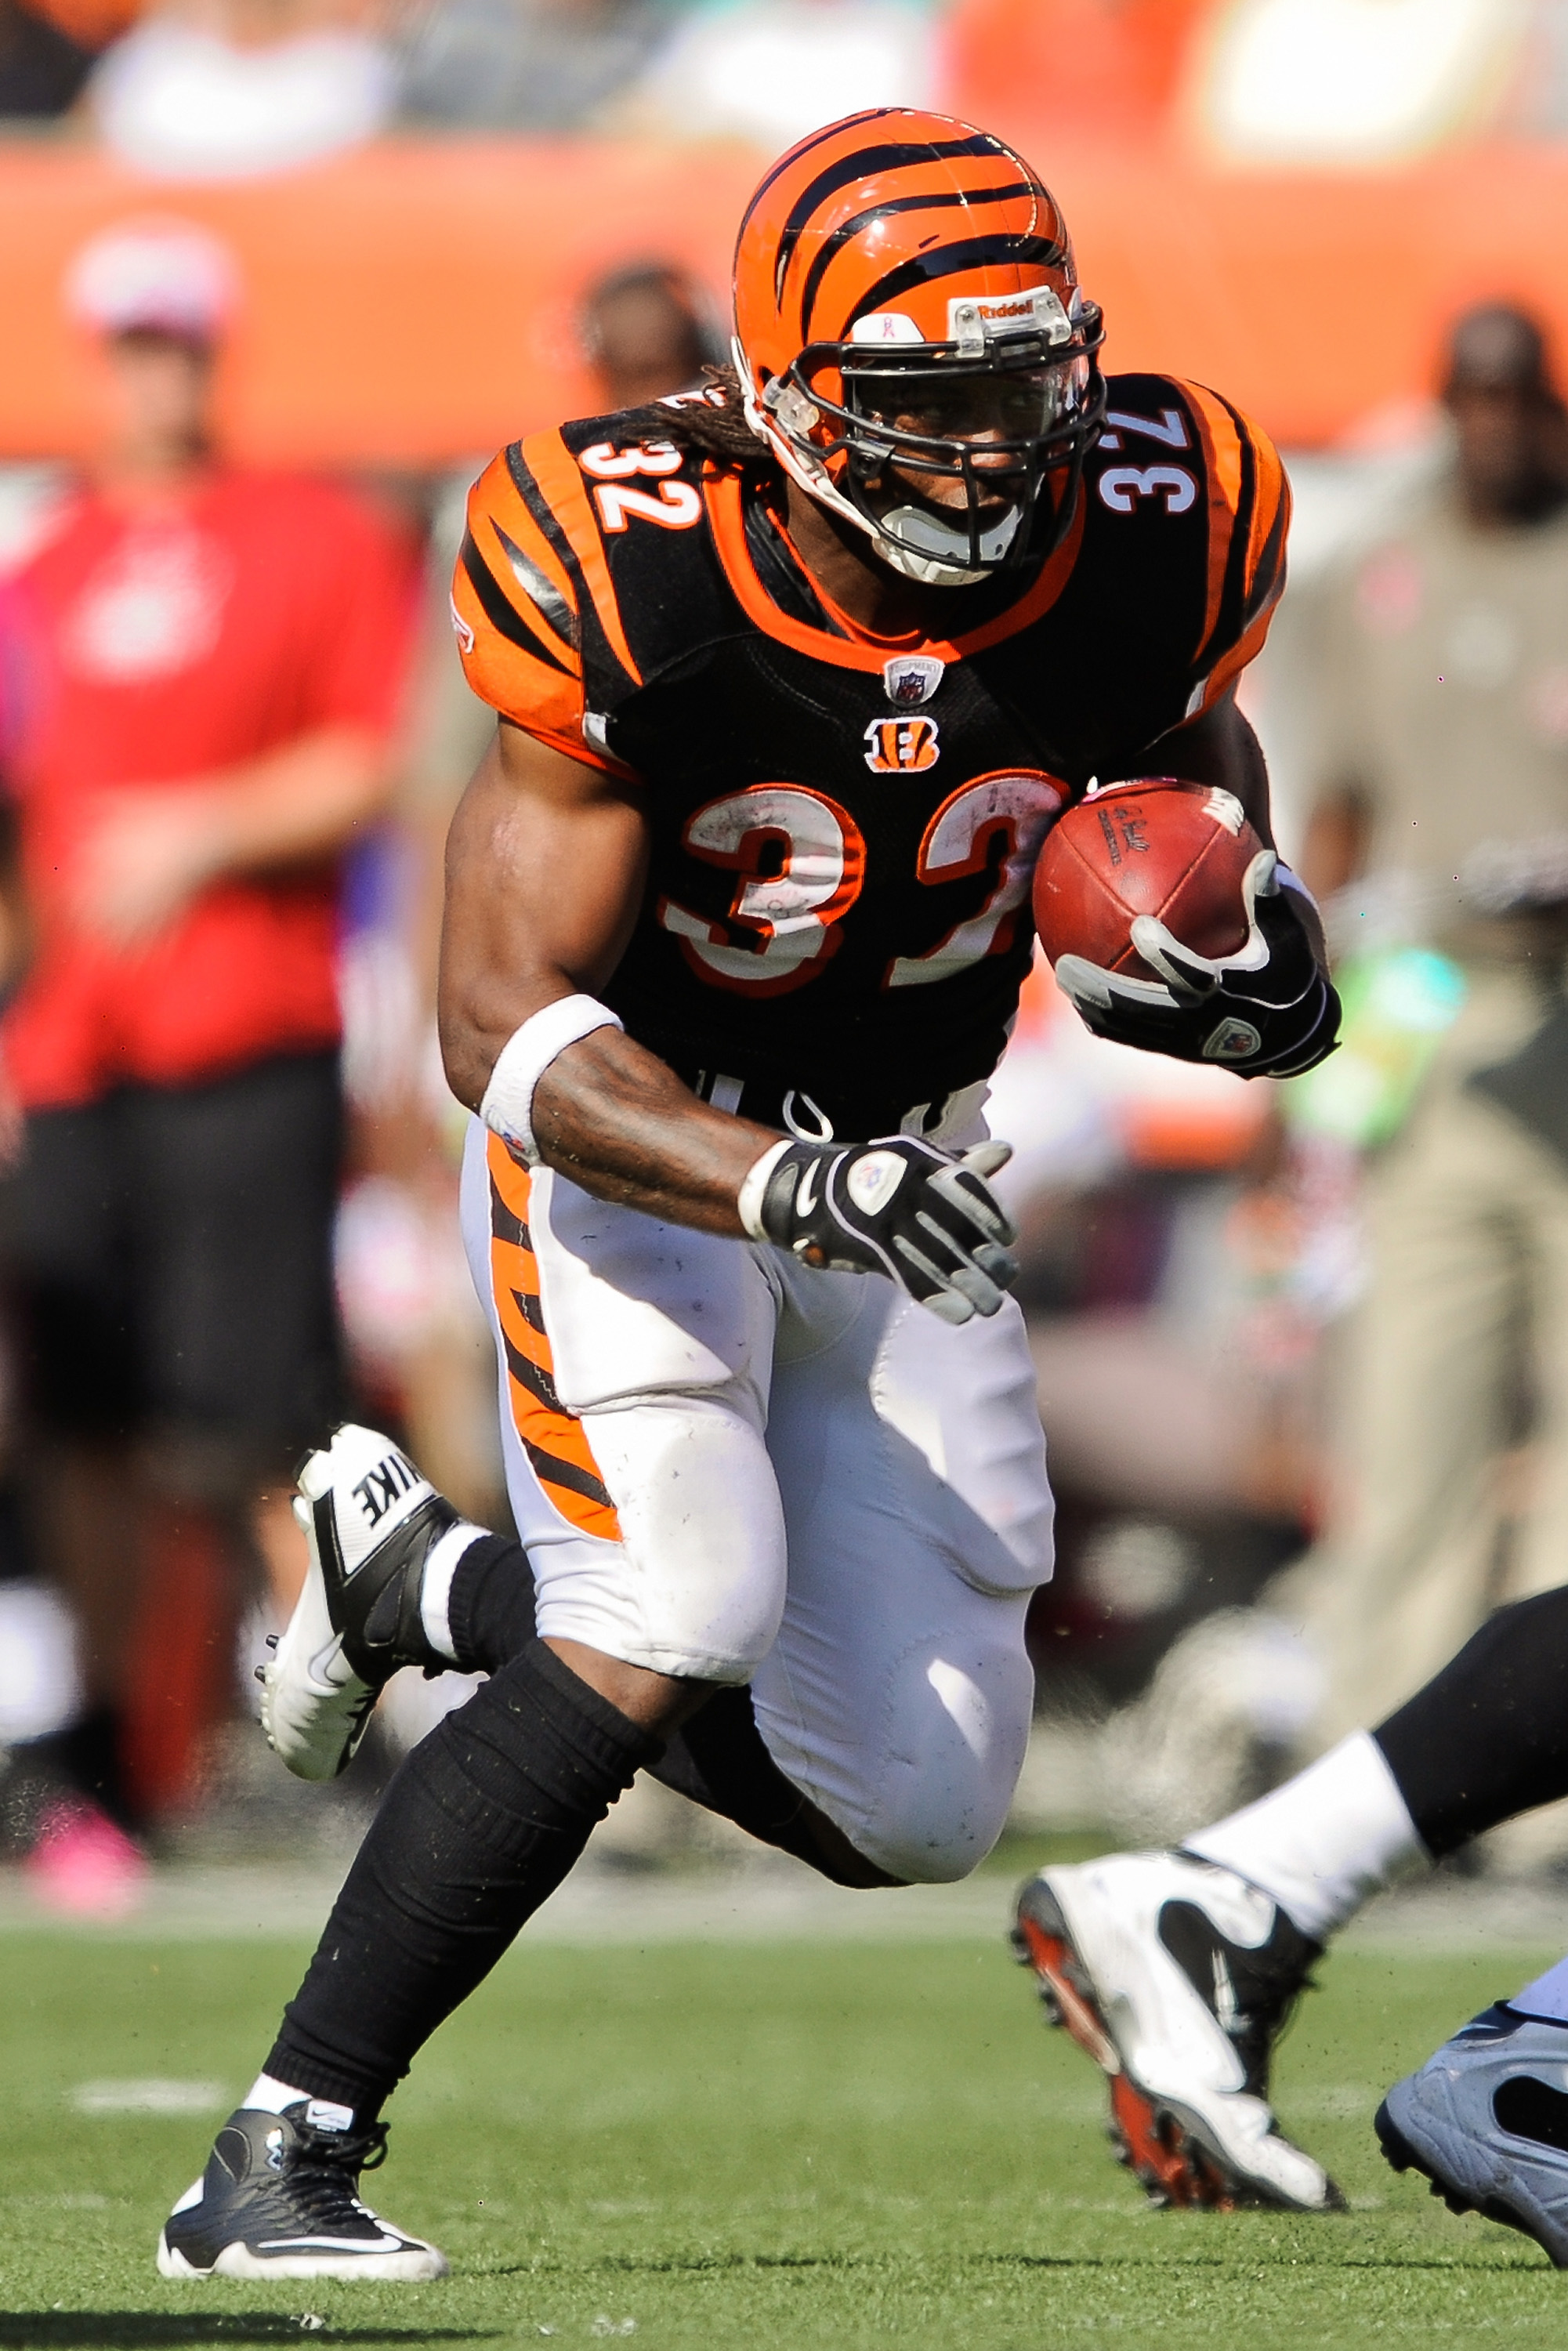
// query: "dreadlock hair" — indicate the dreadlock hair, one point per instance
point(717, 430)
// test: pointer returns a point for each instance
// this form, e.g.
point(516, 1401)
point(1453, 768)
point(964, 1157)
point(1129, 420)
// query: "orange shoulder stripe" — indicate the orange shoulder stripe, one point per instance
point(541, 696)
point(1229, 666)
point(1270, 521)
point(1222, 455)
point(523, 561)
point(561, 484)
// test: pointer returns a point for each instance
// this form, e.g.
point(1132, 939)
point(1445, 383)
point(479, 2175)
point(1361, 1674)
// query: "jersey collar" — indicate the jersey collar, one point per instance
point(856, 648)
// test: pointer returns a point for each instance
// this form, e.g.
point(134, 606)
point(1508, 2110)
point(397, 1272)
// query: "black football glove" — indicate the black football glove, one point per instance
point(898, 1207)
point(1267, 1011)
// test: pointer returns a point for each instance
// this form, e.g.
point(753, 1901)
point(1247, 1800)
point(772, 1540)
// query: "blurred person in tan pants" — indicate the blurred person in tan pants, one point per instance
point(1440, 817)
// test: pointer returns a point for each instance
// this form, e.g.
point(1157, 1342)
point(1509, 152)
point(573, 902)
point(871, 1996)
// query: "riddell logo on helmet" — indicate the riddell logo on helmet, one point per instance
point(973, 321)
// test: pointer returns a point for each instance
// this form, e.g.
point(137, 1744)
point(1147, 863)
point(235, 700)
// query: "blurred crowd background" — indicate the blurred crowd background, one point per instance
point(276, 277)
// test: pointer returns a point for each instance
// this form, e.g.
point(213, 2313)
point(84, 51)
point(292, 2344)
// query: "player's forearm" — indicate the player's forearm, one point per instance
point(1221, 749)
point(604, 1109)
point(546, 870)
point(619, 1122)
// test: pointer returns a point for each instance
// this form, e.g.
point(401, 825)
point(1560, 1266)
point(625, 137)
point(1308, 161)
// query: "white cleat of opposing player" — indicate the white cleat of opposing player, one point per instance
point(1177, 1977)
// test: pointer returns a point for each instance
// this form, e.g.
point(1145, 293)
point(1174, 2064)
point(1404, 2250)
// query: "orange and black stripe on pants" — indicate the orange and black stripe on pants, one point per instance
point(554, 1439)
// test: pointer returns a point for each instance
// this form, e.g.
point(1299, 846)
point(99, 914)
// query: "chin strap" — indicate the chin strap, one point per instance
point(930, 564)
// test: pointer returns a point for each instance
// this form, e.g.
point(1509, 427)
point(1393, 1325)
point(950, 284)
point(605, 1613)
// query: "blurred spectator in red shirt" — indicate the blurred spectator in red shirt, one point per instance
point(212, 665)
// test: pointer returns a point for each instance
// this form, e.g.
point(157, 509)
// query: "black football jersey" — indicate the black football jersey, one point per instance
point(844, 827)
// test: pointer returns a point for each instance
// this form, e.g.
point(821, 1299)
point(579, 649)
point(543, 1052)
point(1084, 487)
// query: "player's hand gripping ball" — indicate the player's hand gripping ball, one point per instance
point(901, 1207)
point(1171, 927)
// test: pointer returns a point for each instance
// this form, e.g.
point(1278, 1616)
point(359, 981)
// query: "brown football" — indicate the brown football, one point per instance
point(1154, 846)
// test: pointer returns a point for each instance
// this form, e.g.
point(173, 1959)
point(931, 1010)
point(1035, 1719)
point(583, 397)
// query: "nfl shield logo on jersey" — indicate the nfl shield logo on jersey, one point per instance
point(912, 678)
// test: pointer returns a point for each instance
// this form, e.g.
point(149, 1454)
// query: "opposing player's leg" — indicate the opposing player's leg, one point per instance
point(1486, 2118)
point(642, 1601)
point(1178, 1978)
point(1177, 1971)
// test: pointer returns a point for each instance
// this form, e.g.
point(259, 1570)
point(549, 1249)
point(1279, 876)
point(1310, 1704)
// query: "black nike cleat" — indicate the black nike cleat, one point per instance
point(278, 2199)
point(1178, 1978)
point(372, 1522)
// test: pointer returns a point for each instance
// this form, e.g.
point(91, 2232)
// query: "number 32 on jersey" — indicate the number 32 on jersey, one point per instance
point(801, 863)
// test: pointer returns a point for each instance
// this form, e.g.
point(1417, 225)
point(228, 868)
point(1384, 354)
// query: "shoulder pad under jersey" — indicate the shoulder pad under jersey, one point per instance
point(531, 595)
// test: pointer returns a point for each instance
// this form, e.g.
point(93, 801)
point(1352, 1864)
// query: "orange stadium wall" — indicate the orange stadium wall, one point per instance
point(414, 303)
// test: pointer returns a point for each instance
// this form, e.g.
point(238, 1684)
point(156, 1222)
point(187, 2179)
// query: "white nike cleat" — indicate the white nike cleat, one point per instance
point(372, 1522)
point(280, 2199)
point(1178, 1978)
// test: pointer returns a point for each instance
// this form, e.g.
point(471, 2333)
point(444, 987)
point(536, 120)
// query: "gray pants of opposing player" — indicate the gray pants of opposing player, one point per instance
point(729, 1467)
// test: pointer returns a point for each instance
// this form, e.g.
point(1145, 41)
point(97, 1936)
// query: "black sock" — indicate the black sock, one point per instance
point(490, 1605)
point(480, 1825)
point(1487, 1736)
point(718, 1760)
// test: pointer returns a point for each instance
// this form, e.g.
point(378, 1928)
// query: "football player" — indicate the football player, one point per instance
point(1177, 1971)
point(793, 676)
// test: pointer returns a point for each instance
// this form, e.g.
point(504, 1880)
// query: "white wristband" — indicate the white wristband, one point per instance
point(508, 1108)
point(749, 1201)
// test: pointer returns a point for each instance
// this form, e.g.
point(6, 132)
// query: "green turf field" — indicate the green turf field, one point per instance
point(811, 2144)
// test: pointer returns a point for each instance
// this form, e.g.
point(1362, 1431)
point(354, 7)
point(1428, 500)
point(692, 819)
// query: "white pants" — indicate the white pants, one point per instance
point(729, 1467)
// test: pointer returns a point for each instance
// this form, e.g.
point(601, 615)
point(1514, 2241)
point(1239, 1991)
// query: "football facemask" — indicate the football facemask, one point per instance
point(946, 461)
point(974, 448)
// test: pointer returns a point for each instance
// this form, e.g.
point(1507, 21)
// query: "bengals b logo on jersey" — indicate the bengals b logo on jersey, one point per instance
point(901, 747)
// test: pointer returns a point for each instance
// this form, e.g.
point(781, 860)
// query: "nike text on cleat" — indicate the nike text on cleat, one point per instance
point(1487, 2120)
point(1178, 1978)
point(371, 1521)
point(279, 2198)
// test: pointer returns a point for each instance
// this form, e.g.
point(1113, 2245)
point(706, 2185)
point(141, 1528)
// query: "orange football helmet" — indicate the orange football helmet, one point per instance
point(906, 295)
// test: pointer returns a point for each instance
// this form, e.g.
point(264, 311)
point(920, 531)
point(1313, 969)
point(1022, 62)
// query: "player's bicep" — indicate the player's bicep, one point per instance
point(545, 868)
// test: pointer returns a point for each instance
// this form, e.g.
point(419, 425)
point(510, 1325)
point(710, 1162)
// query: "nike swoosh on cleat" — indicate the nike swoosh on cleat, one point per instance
point(806, 1190)
point(335, 2245)
point(320, 1669)
point(1226, 2006)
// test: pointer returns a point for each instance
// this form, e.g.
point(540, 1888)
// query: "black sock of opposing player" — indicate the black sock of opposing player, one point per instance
point(1487, 1736)
point(480, 1825)
point(490, 1605)
point(718, 1760)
